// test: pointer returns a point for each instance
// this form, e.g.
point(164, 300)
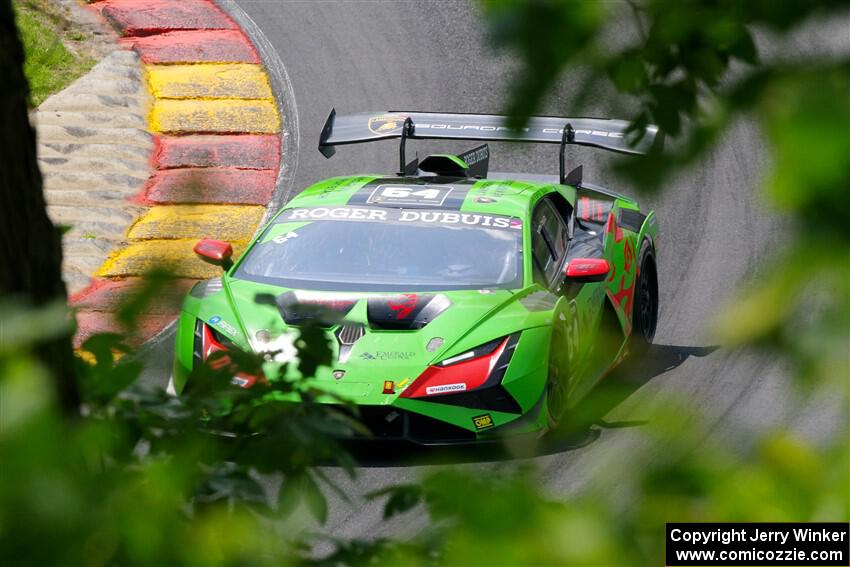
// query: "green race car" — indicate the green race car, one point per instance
point(465, 307)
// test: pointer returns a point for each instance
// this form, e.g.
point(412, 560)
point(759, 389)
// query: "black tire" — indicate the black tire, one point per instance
point(645, 312)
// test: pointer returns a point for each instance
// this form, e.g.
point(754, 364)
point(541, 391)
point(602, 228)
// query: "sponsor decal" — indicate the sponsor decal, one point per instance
point(445, 389)
point(475, 156)
point(386, 124)
point(223, 325)
point(432, 195)
point(283, 238)
point(388, 355)
point(510, 131)
point(483, 422)
point(420, 217)
point(243, 380)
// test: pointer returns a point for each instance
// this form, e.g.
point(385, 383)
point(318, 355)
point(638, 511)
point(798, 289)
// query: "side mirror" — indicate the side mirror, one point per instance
point(215, 252)
point(587, 270)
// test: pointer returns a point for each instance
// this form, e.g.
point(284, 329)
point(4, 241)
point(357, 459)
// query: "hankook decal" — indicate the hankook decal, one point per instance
point(445, 389)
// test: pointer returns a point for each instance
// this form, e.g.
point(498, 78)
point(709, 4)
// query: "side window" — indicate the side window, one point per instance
point(548, 241)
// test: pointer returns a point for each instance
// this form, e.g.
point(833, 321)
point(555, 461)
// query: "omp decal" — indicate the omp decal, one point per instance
point(445, 388)
point(483, 422)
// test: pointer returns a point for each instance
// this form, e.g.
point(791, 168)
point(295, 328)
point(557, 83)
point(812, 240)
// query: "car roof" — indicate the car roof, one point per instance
point(496, 196)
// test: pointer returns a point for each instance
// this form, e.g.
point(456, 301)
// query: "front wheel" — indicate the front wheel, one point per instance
point(556, 385)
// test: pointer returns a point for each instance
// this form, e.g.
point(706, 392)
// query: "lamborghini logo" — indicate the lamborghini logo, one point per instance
point(386, 123)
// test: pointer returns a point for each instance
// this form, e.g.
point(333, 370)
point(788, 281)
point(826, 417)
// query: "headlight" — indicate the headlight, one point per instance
point(483, 350)
point(476, 369)
point(209, 341)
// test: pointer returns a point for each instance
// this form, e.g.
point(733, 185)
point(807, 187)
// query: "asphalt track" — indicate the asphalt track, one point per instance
point(360, 56)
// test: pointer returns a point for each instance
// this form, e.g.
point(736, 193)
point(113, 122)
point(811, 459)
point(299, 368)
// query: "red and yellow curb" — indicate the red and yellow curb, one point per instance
point(216, 156)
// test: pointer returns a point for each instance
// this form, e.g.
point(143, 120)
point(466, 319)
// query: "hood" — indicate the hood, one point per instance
point(377, 337)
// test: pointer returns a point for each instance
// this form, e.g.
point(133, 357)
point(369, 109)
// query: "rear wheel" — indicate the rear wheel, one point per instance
point(645, 313)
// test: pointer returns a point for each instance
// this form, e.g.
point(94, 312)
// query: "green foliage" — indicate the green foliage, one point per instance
point(145, 478)
point(48, 65)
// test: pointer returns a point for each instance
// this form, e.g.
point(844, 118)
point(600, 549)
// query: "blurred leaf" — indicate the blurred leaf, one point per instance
point(401, 498)
point(314, 499)
point(22, 326)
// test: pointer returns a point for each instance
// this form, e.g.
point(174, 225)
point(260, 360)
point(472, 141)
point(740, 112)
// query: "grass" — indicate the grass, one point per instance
point(49, 65)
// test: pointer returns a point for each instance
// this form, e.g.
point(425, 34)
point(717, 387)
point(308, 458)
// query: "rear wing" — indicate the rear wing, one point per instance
point(608, 134)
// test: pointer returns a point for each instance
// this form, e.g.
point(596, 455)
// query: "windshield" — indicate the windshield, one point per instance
point(371, 249)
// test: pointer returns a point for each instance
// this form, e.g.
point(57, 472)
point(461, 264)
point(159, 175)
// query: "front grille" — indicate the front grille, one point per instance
point(389, 423)
point(494, 398)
